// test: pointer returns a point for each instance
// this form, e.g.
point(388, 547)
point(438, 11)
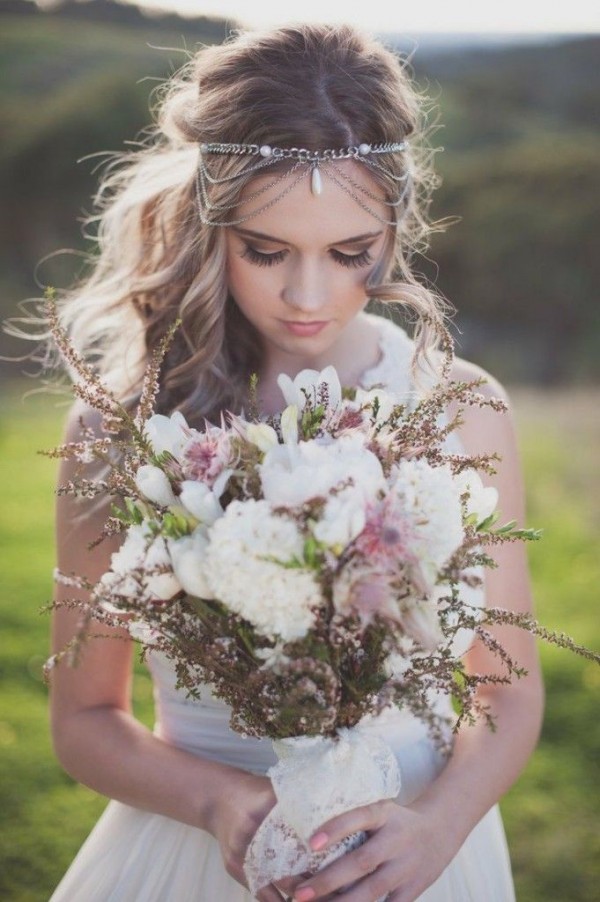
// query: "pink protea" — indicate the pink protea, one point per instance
point(207, 455)
point(387, 537)
point(366, 593)
point(349, 420)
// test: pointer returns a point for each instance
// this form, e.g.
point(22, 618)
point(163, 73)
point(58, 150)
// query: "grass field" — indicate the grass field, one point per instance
point(551, 814)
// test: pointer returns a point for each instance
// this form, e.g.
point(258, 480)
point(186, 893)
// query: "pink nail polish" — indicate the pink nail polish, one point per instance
point(319, 841)
point(304, 895)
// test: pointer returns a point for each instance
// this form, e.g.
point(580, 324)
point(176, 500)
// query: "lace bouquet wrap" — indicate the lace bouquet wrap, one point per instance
point(308, 568)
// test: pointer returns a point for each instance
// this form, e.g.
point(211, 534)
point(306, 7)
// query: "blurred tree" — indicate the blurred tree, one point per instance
point(520, 167)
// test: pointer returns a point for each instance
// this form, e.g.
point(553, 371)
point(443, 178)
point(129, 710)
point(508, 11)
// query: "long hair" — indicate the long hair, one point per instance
point(313, 86)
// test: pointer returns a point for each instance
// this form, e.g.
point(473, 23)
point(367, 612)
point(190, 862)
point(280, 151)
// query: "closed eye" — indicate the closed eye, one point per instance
point(259, 258)
point(352, 260)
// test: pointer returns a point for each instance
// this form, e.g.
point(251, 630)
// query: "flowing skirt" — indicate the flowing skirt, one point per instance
point(133, 855)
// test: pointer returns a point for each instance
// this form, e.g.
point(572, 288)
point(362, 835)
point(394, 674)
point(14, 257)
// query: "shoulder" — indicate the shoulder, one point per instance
point(484, 430)
point(82, 415)
point(79, 515)
point(466, 371)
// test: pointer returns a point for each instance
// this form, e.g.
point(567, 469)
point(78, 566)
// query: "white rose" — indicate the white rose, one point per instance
point(342, 520)
point(154, 485)
point(167, 433)
point(310, 380)
point(187, 557)
point(292, 474)
point(200, 501)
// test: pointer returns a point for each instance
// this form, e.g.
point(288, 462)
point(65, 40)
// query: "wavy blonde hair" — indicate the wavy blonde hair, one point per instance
point(313, 86)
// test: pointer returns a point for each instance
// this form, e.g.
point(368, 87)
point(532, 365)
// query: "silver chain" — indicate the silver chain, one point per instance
point(303, 157)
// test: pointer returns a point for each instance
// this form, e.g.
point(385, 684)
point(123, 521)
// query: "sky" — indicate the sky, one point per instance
point(463, 16)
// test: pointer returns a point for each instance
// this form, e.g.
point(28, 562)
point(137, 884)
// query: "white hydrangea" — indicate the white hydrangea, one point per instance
point(277, 600)
point(130, 567)
point(430, 499)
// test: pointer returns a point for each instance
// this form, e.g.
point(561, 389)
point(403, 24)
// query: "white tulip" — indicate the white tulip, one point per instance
point(386, 401)
point(167, 433)
point(154, 485)
point(200, 501)
point(261, 435)
point(289, 425)
point(310, 380)
point(220, 483)
point(163, 586)
point(187, 556)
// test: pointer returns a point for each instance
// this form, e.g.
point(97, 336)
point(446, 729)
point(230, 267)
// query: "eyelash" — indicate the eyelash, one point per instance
point(351, 261)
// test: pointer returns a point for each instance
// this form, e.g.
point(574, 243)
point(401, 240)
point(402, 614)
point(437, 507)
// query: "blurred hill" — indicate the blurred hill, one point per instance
point(517, 149)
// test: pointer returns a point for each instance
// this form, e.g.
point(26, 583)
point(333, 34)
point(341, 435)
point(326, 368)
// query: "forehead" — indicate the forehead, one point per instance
point(298, 216)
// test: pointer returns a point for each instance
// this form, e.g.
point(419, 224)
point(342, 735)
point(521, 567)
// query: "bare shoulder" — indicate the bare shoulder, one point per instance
point(79, 520)
point(466, 371)
point(484, 428)
point(81, 414)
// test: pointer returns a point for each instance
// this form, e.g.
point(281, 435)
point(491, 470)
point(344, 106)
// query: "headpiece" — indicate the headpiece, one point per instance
point(317, 162)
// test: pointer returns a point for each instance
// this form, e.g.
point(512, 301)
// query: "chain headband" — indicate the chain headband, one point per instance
point(317, 161)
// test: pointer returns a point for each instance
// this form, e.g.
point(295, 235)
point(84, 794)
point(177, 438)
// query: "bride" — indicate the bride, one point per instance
point(285, 186)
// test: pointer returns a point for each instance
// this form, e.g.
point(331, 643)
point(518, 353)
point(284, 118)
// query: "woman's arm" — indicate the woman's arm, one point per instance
point(96, 737)
point(410, 846)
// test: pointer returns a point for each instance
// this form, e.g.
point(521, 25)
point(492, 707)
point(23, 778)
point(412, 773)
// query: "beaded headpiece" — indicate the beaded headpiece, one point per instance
point(317, 162)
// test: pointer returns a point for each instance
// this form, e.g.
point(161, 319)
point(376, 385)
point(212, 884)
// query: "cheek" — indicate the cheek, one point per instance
point(244, 282)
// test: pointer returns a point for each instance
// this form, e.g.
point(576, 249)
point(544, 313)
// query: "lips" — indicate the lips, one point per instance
point(299, 328)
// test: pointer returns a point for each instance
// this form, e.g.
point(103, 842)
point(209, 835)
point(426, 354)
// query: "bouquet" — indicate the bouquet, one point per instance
point(310, 568)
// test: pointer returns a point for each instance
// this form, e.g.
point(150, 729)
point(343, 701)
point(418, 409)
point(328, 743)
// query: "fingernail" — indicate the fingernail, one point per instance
point(318, 842)
point(303, 895)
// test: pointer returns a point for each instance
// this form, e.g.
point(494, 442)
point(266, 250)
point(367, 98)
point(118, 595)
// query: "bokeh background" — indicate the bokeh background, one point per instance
point(517, 121)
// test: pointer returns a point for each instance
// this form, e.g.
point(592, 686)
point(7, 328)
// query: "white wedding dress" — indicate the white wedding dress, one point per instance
point(136, 856)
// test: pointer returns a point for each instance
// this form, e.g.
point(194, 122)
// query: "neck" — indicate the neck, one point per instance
point(356, 350)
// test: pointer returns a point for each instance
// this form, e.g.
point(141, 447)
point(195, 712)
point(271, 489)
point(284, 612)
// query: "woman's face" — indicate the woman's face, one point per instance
point(298, 269)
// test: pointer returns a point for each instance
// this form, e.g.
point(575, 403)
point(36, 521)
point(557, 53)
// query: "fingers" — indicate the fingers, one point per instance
point(367, 818)
point(348, 870)
point(270, 894)
point(287, 885)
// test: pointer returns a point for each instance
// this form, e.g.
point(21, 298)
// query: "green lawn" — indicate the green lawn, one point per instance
point(551, 814)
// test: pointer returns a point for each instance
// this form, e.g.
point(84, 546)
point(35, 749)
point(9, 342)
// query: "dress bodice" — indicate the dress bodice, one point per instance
point(202, 726)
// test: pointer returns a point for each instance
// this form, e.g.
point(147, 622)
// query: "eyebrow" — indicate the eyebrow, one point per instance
point(356, 239)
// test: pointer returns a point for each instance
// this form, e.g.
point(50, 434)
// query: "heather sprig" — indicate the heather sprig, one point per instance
point(311, 567)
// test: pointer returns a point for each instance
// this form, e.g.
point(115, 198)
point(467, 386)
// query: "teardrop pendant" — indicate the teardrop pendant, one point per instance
point(316, 183)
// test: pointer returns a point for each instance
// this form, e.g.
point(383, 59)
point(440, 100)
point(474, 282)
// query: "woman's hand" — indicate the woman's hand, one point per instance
point(406, 851)
point(243, 804)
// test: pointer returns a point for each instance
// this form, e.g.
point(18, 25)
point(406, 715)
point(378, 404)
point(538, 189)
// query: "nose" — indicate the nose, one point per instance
point(305, 287)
